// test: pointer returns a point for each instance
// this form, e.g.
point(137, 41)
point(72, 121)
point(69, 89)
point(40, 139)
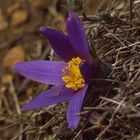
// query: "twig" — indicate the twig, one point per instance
point(80, 131)
point(111, 100)
point(131, 11)
point(15, 98)
point(109, 5)
point(25, 129)
point(113, 115)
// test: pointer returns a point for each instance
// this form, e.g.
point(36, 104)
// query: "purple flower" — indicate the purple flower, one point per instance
point(70, 77)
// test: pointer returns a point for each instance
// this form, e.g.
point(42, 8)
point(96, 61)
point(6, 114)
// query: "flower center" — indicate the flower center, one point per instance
point(72, 75)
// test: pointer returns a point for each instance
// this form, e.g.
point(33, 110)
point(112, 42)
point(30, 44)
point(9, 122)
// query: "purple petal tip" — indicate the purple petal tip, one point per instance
point(70, 15)
point(25, 107)
point(22, 108)
point(42, 29)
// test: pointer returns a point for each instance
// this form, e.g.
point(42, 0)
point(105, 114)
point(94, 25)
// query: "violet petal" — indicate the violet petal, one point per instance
point(60, 43)
point(74, 107)
point(48, 72)
point(77, 36)
point(49, 97)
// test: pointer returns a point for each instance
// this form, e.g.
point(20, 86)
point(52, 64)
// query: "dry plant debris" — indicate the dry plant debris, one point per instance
point(13, 56)
point(18, 17)
point(3, 22)
point(114, 115)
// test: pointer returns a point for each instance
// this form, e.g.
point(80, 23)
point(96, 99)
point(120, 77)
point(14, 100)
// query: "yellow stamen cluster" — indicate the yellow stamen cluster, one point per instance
point(72, 75)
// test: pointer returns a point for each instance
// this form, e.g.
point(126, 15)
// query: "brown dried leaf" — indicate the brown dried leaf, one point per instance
point(13, 56)
point(29, 91)
point(13, 7)
point(3, 23)
point(6, 78)
point(19, 17)
point(38, 4)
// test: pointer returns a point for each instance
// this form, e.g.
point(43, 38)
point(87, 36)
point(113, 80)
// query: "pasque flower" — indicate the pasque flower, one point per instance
point(70, 76)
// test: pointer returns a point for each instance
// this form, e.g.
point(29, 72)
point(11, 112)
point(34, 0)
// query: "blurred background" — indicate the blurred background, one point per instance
point(20, 40)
